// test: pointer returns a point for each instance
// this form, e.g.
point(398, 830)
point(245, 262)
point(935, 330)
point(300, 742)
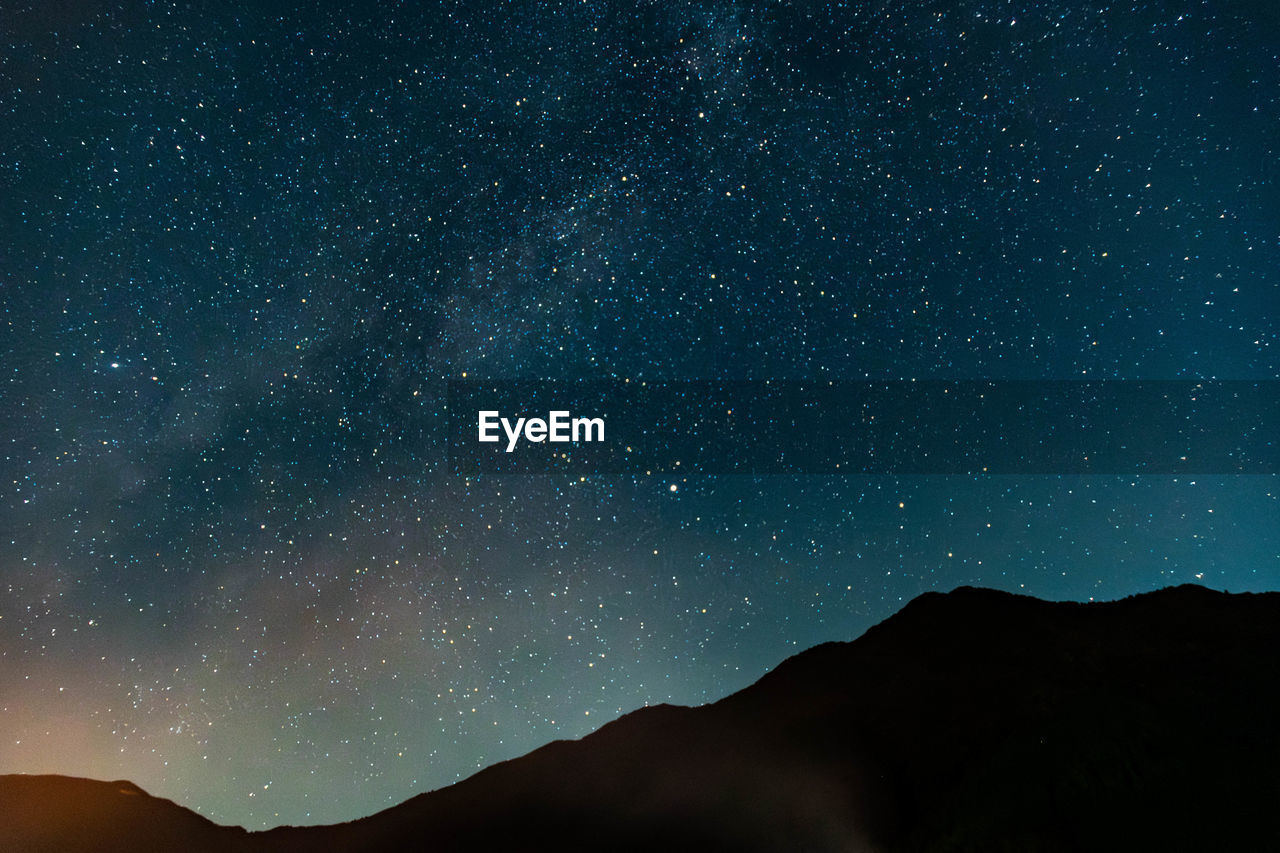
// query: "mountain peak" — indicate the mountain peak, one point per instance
point(970, 720)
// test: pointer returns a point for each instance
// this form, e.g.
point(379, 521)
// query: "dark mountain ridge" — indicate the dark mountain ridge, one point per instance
point(59, 814)
point(972, 720)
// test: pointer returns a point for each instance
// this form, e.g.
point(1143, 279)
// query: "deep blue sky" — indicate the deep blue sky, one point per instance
point(242, 250)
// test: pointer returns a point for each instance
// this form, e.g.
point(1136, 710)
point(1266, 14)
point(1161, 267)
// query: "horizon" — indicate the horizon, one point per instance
point(963, 588)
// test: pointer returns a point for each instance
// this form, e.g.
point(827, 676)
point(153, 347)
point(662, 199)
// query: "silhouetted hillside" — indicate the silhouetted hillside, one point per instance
point(57, 814)
point(974, 720)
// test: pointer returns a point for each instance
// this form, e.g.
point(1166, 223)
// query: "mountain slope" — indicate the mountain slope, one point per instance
point(974, 720)
point(58, 814)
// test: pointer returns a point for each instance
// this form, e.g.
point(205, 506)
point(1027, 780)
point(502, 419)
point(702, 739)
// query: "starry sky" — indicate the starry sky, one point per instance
point(245, 247)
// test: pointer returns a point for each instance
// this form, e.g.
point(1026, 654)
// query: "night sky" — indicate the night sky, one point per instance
point(243, 250)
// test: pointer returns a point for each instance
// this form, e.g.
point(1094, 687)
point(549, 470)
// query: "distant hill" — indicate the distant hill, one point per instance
point(969, 721)
point(57, 814)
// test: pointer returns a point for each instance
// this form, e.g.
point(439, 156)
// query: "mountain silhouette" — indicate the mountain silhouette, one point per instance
point(970, 721)
point(58, 814)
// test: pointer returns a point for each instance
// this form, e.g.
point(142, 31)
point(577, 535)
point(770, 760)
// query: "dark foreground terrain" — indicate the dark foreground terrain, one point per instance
point(975, 720)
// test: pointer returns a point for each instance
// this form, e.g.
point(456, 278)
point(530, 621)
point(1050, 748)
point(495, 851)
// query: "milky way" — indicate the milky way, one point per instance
point(243, 250)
